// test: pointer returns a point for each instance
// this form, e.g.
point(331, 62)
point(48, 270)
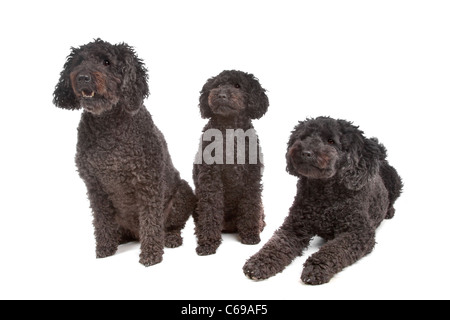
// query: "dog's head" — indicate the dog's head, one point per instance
point(233, 93)
point(100, 76)
point(324, 148)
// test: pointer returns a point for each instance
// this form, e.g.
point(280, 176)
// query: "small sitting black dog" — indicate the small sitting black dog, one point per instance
point(135, 191)
point(346, 188)
point(229, 186)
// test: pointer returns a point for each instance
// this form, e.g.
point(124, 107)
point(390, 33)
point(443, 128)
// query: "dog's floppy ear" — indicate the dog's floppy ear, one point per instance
point(258, 102)
point(363, 157)
point(63, 96)
point(295, 136)
point(205, 109)
point(134, 78)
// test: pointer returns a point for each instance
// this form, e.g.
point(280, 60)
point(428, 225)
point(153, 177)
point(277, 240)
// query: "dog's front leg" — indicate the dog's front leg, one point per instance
point(337, 254)
point(286, 244)
point(250, 217)
point(151, 224)
point(210, 209)
point(107, 234)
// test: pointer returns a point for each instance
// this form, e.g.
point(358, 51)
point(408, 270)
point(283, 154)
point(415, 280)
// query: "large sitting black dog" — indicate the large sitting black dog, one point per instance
point(346, 188)
point(134, 189)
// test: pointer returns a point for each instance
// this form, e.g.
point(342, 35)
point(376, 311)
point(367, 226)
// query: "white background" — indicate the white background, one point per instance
point(385, 65)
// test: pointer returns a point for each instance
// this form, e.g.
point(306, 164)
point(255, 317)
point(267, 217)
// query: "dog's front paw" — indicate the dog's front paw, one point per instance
point(150, 259)
point(104, 252)
point(207, 249)
point(316, 273)
point(173, 240)
point(256, 269)
point(250, 239)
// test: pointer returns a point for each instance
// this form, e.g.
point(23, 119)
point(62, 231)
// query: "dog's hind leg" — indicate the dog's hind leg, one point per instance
point(177, 212)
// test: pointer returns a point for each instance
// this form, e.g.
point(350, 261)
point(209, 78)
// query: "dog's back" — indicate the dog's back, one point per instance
point(391, 179)
point(393, 183)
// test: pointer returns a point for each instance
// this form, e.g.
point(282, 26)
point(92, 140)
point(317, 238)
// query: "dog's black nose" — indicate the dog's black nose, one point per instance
point(222, 95)
point(84, 78)
point(307, 154)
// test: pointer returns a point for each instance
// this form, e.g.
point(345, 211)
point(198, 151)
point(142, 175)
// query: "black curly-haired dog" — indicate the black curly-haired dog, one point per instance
point(346, 188)
point(134, 189)
point(229, 190)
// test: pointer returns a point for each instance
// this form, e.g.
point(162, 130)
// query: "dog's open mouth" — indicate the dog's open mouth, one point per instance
point(87, 94)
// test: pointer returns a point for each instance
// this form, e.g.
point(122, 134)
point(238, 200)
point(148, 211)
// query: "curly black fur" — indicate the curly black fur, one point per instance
point(134, 189)
point(229, 194)
point(346, 188)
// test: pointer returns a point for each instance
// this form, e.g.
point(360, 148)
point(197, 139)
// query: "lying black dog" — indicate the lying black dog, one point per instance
point(346, 188)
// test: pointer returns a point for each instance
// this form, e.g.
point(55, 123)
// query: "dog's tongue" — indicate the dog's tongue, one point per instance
point(87, 93)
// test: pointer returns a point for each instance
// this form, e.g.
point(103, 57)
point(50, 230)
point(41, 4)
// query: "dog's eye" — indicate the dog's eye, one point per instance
point(331, 141)
point(237, 86)
point(106, 63)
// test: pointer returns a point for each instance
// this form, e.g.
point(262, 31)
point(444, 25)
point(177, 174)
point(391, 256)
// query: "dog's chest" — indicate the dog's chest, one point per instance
point(107, 155)
point(329, 215)
point(118, 175)
point(116, 164)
